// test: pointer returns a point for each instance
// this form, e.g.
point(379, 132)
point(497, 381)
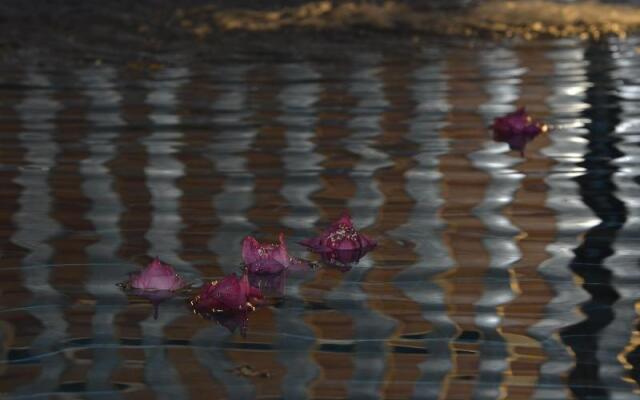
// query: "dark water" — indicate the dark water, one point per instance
point(497, 277)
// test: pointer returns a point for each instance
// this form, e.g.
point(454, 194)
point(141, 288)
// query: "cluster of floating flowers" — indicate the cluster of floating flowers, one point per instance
point(229, 300)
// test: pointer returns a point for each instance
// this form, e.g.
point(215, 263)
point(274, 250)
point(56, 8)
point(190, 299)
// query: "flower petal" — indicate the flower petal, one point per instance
point(157, 276)
point(250, 250)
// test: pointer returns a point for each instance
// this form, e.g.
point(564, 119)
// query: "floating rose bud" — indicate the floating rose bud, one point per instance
point(231, 294)
point(156, 276)
point(267, 258)
point(341, 243)
point(517, 129)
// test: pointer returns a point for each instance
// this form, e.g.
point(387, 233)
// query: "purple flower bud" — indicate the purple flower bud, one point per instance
point(231, 294)
point(517, 129)
point(340, 243)
point(267, 258)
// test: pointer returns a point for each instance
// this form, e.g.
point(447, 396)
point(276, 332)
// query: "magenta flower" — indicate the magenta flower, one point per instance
point(267, 258)
point(517, 129)
point(231, 294)
point(341, 236)
point(157, 276)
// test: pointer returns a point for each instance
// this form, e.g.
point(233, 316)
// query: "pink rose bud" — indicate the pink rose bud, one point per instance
point(267, 258)
point(231, 294)
point(157, 276)
point(341, 243)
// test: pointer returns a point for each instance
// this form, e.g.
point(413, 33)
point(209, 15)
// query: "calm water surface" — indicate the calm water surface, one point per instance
point(497, 276)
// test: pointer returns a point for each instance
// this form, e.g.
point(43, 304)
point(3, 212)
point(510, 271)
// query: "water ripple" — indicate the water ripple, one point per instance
point(496, 275)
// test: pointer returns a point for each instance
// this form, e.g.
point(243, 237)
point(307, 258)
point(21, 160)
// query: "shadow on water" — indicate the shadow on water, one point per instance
point(598, 191)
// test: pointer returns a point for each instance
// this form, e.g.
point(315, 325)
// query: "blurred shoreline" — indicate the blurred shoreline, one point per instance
point(76, 32)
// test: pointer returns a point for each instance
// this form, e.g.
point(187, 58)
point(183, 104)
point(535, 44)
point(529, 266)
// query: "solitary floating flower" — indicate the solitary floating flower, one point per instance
point(341, 242)
point(156, 276)
point(517, 129)
point(267, 258)
point(231, 294)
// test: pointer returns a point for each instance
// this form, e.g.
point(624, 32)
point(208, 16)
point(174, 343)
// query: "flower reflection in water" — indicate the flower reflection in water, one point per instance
point(344, 259)
point(271, 285)
point(154, 296)
point(232, 320)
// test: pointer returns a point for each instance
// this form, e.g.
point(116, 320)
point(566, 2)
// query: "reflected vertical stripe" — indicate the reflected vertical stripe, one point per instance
point(162, 172)
point(500, 67)
point(35, 227)
point(366, 87)
point(163, 168)
point(371, 328)
point(106, 268)
point(574, 218)
point(301, 180)
point(11, 156)
point(623, 264)
point(226, 152)
point(527, 211)
point(233, 139)
point(302, 162)
point(462, 185)
point(598, 193)
point(333, 106)
point(424, 228)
